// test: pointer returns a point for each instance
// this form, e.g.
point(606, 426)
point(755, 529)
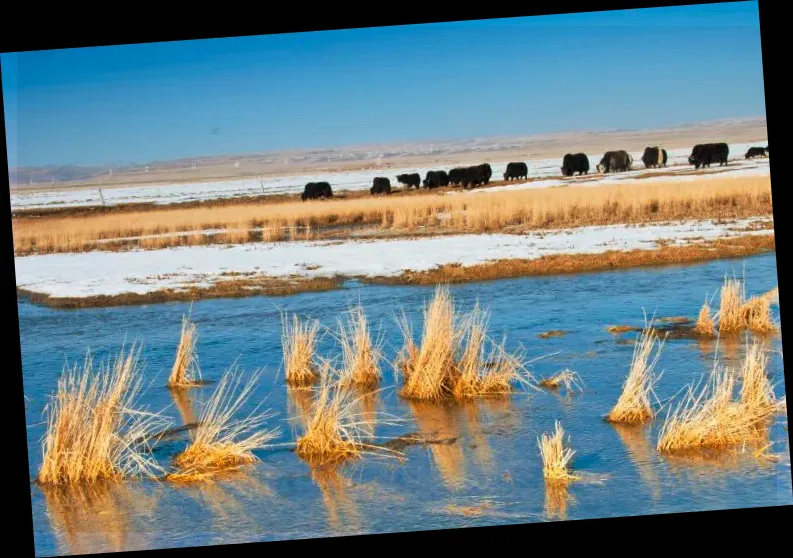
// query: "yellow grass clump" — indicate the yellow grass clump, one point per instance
point(299, 340)
point(223, 442)
point(730, 302)
point(432, 374)
point(185, 371)
point(332, 433)
point(714, 418)
point(736, 313)
point(361, 356)
point(634, 404)
point(556, 457)
point(94, 432)
point(705, 324)
point(456, 358)
point(567, 378)
point(481, 374)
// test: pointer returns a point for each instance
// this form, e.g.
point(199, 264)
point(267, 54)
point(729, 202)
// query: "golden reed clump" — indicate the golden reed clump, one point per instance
point(634, 404)
point(360, 354)
point(185, 371)
point(94, 430)
point(223, 442)
point(736, 313)
point(298, 340)
point(713, 417)
point(332, 433)
point(432, 374)
point(455, 357)
point(556, 457)
point(567, 378)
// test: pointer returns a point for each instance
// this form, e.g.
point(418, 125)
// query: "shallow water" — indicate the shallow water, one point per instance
point(492, 474)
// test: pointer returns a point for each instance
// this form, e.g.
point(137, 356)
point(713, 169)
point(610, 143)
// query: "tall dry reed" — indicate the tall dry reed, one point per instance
point(298, 341)
point(185, 371)
point(635, 404)
point(361, 355)
point(714, 417)
point(94, 429)
point(223, 442)
point(556, 457)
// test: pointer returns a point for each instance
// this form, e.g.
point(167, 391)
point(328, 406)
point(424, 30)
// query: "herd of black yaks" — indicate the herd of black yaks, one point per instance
point(702, 155)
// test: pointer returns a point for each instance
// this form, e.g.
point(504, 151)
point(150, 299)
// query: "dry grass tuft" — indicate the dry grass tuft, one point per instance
point(480, 374)
point(456, 358)
point(299, 341)
point(730, 315)
point(712, 417)
point(757, 392)
point(634, 405)
point(185, 371)
point(221, 442)
point(567, 378)
point(756, 314)
point(706, 324)
point(94, 432)
point(361, 356)
point(556, 457)
point(332, 433)
point(432, 373)
point(736, 313)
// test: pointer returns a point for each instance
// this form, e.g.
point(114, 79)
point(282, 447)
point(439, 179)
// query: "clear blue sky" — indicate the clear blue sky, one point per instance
point(628, 69)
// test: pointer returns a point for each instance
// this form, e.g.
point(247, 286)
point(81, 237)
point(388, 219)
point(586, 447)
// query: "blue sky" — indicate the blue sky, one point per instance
point(602, 70)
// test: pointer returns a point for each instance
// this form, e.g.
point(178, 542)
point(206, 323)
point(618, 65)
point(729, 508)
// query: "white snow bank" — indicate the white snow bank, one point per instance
point(140, 271)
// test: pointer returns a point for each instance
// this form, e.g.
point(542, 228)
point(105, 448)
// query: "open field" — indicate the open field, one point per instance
point(542, 166)
point(512, 211)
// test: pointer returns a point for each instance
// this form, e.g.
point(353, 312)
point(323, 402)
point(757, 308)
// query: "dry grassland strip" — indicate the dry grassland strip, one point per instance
point(429, 213)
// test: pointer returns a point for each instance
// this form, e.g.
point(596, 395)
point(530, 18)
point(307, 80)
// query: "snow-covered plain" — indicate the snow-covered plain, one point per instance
point(548, 169)
point(140, 271)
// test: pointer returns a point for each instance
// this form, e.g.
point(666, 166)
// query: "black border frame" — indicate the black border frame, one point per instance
point(155, 26)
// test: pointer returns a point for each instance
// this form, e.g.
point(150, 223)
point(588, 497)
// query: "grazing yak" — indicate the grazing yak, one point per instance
point(654, 157)
point(615, 161)
point(316, 190)
point(410, 180)
point(575, 163)
point(756, 152)
point(516, 171)
point(436, 179)
point(476, 175)
point(456, 176)
point(380, 185)
point(703, 154)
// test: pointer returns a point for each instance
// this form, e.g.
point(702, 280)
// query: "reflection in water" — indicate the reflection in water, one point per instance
point(343, 515)
point(370, 401)
point(299, 404)
point(226, 499)
point(504, 418)
point(98, 517)
point(641, 453)
point(440, 421)
point(473, 425)
point(181, 396)
point(557, 499)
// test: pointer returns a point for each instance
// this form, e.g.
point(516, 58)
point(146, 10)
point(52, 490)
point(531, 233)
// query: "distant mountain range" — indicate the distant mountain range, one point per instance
point(67, 173)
